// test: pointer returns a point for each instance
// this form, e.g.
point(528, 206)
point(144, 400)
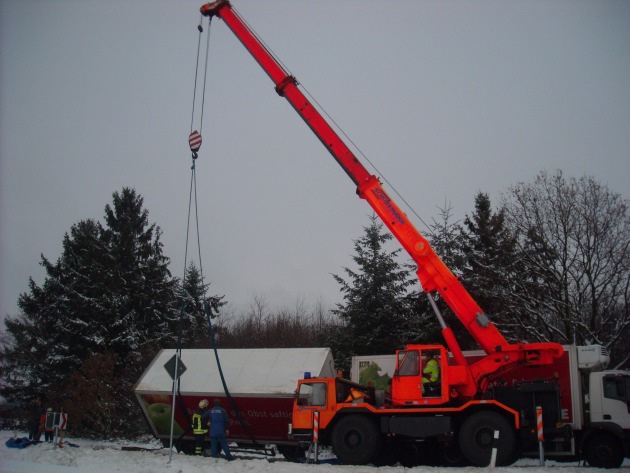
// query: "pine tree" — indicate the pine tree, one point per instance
point(109, 292)
point(141, 306)
point(378, 307)
point(491, 265)
point(193, 321)
point(50, 336)
point(447, 241)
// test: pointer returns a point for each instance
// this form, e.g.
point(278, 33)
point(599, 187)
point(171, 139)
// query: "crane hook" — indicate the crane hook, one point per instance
point(194, 141)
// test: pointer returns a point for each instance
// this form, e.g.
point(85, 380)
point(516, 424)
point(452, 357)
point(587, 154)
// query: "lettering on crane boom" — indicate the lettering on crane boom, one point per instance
point(383, 197)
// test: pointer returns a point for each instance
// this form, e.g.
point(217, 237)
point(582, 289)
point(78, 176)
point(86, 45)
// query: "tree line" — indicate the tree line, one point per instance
point(551, 262)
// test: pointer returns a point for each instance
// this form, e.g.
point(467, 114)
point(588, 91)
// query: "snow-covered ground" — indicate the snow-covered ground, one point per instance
point(109, 457)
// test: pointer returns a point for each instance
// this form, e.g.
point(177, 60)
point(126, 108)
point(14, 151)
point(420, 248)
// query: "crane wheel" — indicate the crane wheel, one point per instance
point(356, 440)
point(476, 437)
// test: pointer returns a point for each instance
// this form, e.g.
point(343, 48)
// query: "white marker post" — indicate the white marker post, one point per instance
point(495, 446)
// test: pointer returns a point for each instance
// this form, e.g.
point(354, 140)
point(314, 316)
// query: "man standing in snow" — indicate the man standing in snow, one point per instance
point(35, 425)
point(219, 423)
point(200, 425)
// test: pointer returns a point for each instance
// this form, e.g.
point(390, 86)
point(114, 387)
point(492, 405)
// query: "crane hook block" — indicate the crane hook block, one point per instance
point(194, 140)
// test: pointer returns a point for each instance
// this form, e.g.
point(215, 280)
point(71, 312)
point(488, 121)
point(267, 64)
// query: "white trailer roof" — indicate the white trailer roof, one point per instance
point(246, 371)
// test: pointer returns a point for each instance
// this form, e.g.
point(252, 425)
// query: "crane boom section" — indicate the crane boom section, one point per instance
point(433, 274)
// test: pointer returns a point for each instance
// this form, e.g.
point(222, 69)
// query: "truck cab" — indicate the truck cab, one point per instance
point(325, 396)
point(609, 397)
point(606, 436)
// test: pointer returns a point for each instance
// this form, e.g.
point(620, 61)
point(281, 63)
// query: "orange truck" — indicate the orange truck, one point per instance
point(457, 417)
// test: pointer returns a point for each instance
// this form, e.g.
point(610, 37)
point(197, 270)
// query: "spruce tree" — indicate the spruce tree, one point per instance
point(193, 323)
point(141, 295)
point(378, 308)
point(110, 292)
point(51, 336)
point(447, 241)
point(491, 265)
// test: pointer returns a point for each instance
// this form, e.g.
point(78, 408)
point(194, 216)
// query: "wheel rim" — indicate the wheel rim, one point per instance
point(484, 437)
point(352, 439)
point(602, 454)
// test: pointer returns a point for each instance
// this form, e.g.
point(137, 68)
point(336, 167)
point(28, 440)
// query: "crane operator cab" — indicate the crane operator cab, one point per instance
point(419, 376)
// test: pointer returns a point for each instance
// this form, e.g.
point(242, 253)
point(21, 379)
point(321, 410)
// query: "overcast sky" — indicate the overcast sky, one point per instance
point(447, 98)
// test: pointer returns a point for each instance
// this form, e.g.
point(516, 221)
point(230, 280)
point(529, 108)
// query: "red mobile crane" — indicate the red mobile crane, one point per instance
point(457, 407)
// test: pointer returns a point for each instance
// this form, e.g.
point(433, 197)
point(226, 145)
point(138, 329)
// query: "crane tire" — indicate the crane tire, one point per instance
point(603, 451)
point(356, 440)
point(476, 437)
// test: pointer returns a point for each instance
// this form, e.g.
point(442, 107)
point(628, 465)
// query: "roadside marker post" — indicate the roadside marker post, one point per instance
point(539, 428)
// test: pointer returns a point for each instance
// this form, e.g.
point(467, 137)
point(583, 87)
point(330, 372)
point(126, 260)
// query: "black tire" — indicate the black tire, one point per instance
point(476, 437)
point(603, 451)
point(356, 440)
point(184, 446)
point(293, 453)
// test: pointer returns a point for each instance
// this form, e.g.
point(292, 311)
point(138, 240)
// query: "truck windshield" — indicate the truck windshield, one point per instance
point(312, 394)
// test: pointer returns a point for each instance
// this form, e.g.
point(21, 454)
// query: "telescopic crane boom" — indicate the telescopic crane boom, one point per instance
point(433, 274)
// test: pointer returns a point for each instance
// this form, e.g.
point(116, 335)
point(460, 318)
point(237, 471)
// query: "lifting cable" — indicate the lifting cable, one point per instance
point(194, 141)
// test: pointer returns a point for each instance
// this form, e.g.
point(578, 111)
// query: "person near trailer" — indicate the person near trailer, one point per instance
point(200, 425)
point(35, 424)
point(49, 430)
point(219, 424)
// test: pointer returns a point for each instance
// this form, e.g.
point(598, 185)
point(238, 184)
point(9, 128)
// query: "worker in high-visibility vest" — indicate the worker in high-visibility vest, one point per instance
point(200, 420)
point(431, 372)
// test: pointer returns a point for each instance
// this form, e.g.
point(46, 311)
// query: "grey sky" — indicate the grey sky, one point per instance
point(447, 98)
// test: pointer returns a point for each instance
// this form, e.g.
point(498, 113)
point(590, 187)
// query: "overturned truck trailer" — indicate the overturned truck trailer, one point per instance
point(261, 384)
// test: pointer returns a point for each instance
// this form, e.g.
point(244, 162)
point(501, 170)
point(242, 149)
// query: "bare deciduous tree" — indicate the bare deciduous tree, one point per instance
point(259, 327)
point(574, 240)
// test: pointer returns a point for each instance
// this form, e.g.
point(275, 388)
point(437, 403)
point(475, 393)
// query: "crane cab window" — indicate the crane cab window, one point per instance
point(408, 363)
point(312, 394)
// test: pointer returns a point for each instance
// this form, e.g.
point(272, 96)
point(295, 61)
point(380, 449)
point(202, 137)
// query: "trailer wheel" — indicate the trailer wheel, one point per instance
point(603, 451)
point(293, 453)
point(184, 446)
point(356, 440)
point(477, 435)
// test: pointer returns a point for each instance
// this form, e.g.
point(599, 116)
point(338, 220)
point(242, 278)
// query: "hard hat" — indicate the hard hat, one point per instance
point(203, 403)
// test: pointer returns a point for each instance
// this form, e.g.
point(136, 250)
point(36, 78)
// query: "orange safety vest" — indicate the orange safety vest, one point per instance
point(354, 395)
